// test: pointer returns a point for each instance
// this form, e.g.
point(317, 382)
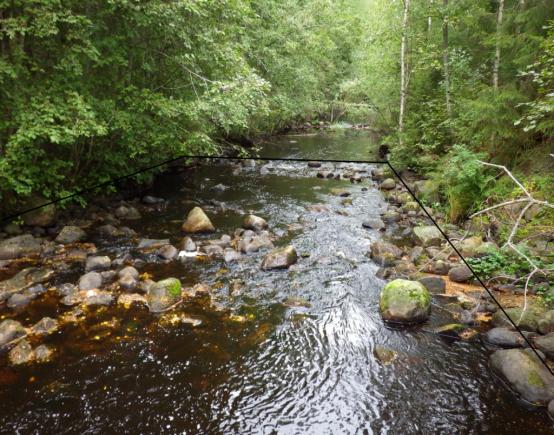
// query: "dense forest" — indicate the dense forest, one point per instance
point(91, 90)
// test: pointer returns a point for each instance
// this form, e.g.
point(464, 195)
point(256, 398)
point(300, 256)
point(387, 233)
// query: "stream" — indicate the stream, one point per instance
point(287, 351)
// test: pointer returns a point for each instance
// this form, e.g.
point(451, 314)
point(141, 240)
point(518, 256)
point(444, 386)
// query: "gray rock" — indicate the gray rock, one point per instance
point(405, 301)
point(109, 231)
point(529, 321)
point(163, 295)
point(19, 300)
point(97, 297)
point(385, 254)
point(188, 245)
point(391, 216)
point(22, 353)
point(70, 234)
point(374, 224)
point(43, 353)
point(90, 281)
point(168, 252)
point(127, 282)
point(151, 200)
point(45, 326)
point(152, 243)
point(546, 323)
point(460, 273)
point(66, 289)
point(230, 255)
point(550, 409)
point(388, 184)
point(128, 299)
point(108, 276)
point(439, 267)
point(10, 330)
point(504, 337)
point(525, 374)
point(428, 235)
point(254, 243)
point(254, 223)
point(280, 258)
point(213, 250)
point(416, 254)
point(128, 271)
point(98, 263)
point(127, 212)
point(546, 344)
point(19, 246)
point(197, 222)
point(24, 279)
point(433, 284)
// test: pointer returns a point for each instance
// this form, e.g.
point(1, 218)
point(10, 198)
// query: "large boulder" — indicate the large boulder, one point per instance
point(427, 190)
point(525, 374)
point(405, 301)
point(43, 216)
point(197, 222)
point(504, 337)
point(70, 234)
point(19, 246)
point(24, 279)
point(546, 344)
point(254, 223)
point(10, 330)
point(280, 258)
point(385, 254)
point(529, 321)
point(546, 323)
point(428, 235)
point(163, 294)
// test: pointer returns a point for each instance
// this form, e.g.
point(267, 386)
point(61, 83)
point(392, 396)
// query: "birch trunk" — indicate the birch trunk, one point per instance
point(496, 67)
point(403, 67)
point(445, 60)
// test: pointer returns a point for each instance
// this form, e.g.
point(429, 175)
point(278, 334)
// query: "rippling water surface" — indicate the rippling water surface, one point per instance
point(303, 362)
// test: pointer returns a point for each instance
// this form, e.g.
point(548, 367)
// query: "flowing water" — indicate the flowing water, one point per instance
point(297, 355)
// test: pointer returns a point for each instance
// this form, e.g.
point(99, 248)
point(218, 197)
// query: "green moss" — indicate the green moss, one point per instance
point(535, 380)
point(172, 286)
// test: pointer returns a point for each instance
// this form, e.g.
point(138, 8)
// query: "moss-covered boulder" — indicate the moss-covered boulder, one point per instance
point(529, 321)
point(198, 222)
point(428, 235)
point(525, 374)
point(163, 295)
point(405, 302)
point(384, 254)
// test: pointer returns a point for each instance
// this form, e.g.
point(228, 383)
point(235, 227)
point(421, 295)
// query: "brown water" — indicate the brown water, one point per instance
point(302, 362)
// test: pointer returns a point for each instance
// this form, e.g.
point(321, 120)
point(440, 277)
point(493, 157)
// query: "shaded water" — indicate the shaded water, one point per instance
point(302, 361)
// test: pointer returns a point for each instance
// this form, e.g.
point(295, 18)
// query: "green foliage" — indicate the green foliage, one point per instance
point(501, 262)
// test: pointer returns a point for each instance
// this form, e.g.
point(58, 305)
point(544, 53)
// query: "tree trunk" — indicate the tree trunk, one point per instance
point(430, 20)
point(445, 60)
point(403, 68)
point(496, 67)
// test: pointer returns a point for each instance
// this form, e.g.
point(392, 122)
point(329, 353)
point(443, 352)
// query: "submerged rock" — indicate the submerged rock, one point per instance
point(128, 299)
point(22, 353)
point(45, 326)
point(19, 246)
point(97, 263)
point(197, 222)
point(70, 234)
point(90, 281)
point(254, 223)
point(43, 353)
point(20, 300)
point(152, 243)
point(280, 258)
point(10, 330)
point(128, 271)
point(384, 355)
point(163, 295)
point(96, 297)
point(405, 301)
point(230, 255)
point(524, 373)
point(23, 280)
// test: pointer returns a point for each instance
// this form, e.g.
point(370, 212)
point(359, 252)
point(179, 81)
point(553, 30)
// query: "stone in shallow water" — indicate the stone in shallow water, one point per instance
point(22, 353)
point(43, 353)
point(23, 280)
point(197, 222)
point(254, 223)
point(374, 224)
point(90, 281)
point(504, 337)
point(163, 295)
point(70, 234)
point(384, 355)
point(97, 263)
point(384, 254)
point(127, 212)
point(45, 326)
point(97, 297)
point(405, 301)
point(19, 300)
point(128, 299)
point(127, 282)
point(230, 255)
point(525, 374)
point(10, 330)
point(128, 271)
point(280, 258)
